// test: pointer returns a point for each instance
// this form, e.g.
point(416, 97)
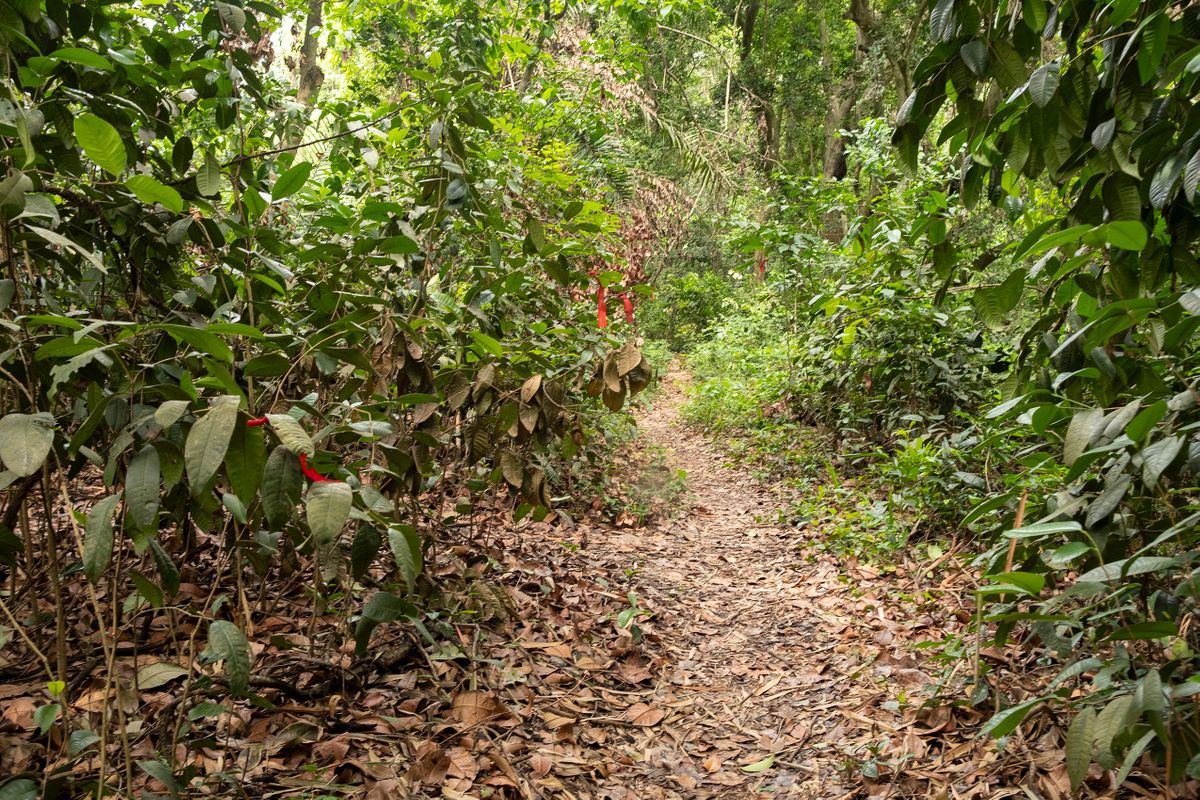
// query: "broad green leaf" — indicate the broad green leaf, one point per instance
point(488, 344)
point(82, 56)
point(59, 240)
point(291, 181)
point(1085, 426)
point(281, 486)
point(208, 442)
point(143, 488)
point(1078, 746)
point(1007, 720)
point(150, 191)
point(761, 765)
point(291, 433)
point(1143, 631)
point(168, 573)
point(406, 548)
point(364, 549)
point(1128, 567)
point(1126, 234)
point(227, 643)
point(208, 177)
point(25, 442)
point(158, 673)
point(233, 17)
point(245, 460)
point(98, 538)
point(1144, 422)
point(327, 508)
point(171, 412)
point(1043, 83)
point(1157, 456)
point(1044, 529)
point(1028, 583)
point(202, 340)
point(381, 607)
point(101, 142)
point(19, 789)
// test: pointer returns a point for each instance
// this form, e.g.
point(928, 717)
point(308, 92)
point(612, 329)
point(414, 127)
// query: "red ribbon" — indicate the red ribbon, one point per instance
point(308, 471)
point(628, 308)
point(311, 473)
point(601, 309)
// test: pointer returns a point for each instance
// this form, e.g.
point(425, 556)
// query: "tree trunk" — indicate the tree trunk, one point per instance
point(311, 76)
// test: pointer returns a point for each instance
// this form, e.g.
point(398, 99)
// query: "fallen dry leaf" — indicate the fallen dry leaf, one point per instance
point(644, 715)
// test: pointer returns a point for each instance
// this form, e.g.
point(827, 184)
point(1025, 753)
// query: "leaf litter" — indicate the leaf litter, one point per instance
point(708, 653)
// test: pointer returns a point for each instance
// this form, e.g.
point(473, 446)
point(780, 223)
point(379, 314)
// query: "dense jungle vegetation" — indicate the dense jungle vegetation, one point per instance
point(303, 303)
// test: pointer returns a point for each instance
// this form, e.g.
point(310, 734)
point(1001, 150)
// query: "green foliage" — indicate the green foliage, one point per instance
point(1099, 101)
point(220, 304)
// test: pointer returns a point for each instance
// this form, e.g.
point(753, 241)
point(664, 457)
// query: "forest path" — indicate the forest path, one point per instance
point(768, 653)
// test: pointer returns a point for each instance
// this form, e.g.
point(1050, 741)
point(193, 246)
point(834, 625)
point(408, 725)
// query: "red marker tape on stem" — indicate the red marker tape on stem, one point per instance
point(311, 473)
point(628, 308)
point(308, 471)
point(601, 309)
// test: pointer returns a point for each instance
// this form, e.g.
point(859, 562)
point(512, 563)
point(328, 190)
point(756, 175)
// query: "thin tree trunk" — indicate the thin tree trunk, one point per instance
point(311, 75)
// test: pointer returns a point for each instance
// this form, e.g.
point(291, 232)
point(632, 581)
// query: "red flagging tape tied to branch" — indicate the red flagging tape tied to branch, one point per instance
point(308, 471)
point(628, 308)
point(311, 473)
point(601, 307)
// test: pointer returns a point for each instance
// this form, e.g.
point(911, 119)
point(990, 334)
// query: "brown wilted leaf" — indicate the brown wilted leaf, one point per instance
point(430, 765)
point(644, 715)
point(474, 708)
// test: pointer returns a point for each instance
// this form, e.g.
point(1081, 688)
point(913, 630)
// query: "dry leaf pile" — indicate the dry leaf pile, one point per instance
point(750, 665)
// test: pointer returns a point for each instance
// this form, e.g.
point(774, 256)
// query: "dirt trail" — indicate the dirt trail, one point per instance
point(763, 671)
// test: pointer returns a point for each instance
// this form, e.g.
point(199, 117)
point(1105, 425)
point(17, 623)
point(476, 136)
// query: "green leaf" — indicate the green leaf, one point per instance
point(1007, 720)
point(281, 487)
point(25, 442)
point(1163, 183)
point(98, 538)
point(327, 508)
point(142, 488)
point(232, 17)
point(45, 717)
point(19, 789)
point(1128, 567)
point(291, 181)
point(1143, 631)
point(975, 56)
point(1078, 746)
point(67, 244)
point(227, 643)
point(406, 547)
point(1043, 83)
point(1157, 456)
point(382, 607)
point(208, 177)
point(158, 673)
point(267, 365)
point(101, 142)
point(1085, 426)
point(202, 340)
point(1027, 583)
point(488, 344)
point(363, 549)
point(291, 433)
point(1126, 234)
point(245, 460)
point(208, 441)
point(1044, 529)
point(761, 765)
point(168, 573)
point(83, 57)
point(151, 191)
point(1145, 421)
